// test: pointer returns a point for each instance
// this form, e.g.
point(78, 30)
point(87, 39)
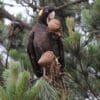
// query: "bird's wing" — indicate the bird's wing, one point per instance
point(61, 53)
point(32, 56)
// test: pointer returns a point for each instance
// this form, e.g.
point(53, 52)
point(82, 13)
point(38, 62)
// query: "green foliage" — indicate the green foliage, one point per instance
point(14, 54)
point(72, 43)
point(2, 33)
point(96, 12)
point(87, 18)
point(43, 91)
point(15, 83)
point(22, 84)
point(93, 56)
point(91, 17)
point(2, 94)
point(34, 91)
point(10, 77)
point(1, 69)
point(17, 86)
point(48, 92)
point(78, 59)
point(20, 56)
point(1, 24)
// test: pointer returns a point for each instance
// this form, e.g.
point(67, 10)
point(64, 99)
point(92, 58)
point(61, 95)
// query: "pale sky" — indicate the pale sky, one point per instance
point(16, 10)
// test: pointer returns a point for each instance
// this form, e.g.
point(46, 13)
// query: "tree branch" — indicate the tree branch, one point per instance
point(69, 4)
point(7, 4)
point(5, 14)
point(59, 7)
point(34, 6)
point(30, 4)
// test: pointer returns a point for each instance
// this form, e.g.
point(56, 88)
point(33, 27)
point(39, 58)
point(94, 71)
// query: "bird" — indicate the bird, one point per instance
point(40, 40)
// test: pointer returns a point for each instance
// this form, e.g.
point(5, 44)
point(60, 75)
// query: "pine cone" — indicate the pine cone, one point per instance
point(46, 58)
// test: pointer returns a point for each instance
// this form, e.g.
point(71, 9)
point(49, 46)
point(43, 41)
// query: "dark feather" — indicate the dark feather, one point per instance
point(40, 41)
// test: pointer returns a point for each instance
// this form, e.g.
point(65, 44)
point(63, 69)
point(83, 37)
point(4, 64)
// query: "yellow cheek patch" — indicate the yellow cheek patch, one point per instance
point(40, 12)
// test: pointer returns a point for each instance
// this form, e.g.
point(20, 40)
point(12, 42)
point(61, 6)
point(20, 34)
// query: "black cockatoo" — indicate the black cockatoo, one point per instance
point(41, 41)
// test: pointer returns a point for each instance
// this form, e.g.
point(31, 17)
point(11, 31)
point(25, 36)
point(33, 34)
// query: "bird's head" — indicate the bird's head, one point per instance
point(47, 13)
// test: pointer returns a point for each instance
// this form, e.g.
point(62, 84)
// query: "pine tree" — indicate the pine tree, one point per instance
point(82, 70)
point(17, 86)
point(82, 55)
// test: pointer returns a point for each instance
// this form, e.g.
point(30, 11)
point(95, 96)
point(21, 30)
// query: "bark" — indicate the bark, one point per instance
point(70, 3)
point(5, 14)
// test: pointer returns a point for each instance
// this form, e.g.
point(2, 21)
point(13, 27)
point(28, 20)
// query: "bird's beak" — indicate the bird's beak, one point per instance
point(40, 12)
